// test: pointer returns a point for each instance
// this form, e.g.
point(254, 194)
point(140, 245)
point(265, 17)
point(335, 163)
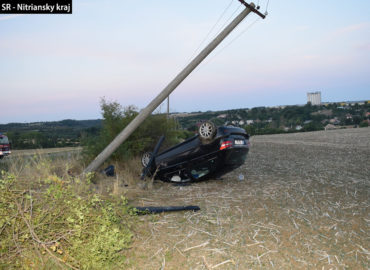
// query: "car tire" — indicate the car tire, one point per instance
point(145, 158)
point(207, 131)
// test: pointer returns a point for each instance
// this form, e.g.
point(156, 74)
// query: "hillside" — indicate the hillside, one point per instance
point(49, 134)
point(268, 120)
point(258, 120)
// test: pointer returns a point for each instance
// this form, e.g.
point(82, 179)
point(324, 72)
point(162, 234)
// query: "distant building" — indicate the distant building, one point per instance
point(330, 127)
point(314, 98)
point(334, 121)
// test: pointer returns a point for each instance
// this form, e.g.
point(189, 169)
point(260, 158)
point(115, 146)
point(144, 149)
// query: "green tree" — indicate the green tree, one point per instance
point(116, 118)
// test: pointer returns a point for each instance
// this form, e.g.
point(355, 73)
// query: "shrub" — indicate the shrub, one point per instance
point(48, 222)
point(116, 118)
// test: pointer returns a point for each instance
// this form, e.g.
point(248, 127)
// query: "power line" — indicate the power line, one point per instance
point(213, 27)
point(267, 5)
point(228, 20)
point(237, 37)
point(232, 41)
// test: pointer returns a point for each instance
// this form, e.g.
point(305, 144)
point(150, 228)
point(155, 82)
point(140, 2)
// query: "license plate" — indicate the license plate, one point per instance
point(239, 142)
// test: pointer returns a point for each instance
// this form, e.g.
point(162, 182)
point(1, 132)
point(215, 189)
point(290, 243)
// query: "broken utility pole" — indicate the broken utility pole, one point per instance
point(134, 124)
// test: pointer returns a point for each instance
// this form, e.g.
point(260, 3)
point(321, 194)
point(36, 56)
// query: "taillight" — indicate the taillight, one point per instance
point(226, 144)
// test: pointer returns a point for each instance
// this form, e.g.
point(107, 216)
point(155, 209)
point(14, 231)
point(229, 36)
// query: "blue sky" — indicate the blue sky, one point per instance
point(55, 67)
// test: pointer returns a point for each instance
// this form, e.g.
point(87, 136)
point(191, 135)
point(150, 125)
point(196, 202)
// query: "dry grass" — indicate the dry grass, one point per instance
point(17, 153)
point(304, 204)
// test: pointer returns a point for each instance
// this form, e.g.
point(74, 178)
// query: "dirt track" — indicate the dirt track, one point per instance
point(303, 204)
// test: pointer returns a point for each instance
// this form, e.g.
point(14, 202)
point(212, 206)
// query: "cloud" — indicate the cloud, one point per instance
point(9, 17)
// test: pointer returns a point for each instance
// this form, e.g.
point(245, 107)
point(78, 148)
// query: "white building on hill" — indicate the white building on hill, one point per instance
point(314, 98)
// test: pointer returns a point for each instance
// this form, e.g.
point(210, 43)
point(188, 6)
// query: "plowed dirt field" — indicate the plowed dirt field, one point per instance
point(303, 204)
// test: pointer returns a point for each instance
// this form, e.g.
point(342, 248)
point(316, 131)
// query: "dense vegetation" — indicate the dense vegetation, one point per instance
point(50, 219)
point(116, 118)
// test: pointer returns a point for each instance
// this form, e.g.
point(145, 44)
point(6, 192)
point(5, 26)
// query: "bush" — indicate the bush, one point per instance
point(313, 127)
point(49, 222)
point(116, 118)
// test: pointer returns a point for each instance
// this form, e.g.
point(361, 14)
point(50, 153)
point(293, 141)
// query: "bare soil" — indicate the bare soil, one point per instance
point(303, 204)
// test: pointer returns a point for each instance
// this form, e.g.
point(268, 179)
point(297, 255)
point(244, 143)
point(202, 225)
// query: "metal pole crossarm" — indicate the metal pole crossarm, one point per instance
point(135, 123)
point(253, 9)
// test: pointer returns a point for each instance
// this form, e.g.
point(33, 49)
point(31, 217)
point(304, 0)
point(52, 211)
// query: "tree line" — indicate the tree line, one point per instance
point(260, 120)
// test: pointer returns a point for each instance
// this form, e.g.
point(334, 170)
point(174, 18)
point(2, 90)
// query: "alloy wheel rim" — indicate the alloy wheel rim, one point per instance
point(206, 130)
point(145, 159)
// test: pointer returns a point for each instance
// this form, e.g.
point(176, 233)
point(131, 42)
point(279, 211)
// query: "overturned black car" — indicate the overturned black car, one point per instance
point(211, 153)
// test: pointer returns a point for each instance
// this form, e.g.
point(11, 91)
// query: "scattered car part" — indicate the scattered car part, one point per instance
point(160, 209)
point(176, 178)
point(109, 171)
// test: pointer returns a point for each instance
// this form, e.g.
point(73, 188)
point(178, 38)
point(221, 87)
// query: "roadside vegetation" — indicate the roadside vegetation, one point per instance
point(52, 219)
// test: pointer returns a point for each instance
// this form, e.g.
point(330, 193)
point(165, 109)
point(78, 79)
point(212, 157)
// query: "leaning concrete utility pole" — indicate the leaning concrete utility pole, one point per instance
point(135, 123)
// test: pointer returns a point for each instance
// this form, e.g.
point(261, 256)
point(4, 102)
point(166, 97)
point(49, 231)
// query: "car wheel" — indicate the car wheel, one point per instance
point(207, 130)
point(145, 158)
